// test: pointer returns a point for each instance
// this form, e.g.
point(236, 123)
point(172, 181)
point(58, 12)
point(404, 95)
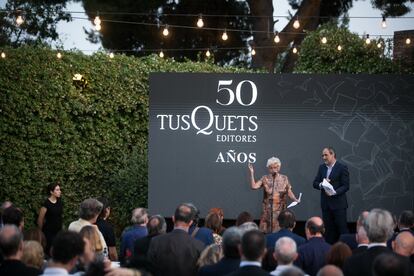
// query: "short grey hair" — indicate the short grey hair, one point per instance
point(89, 208)
point(231, 241)
point(285, 250)
point(139, 215)
point(273, 160)
point(248, 226)
point(379, 225)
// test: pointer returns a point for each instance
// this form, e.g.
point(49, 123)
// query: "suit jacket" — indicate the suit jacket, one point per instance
point(273, 237)
point(15, 267)
point(249, 270)
point(360, 249)
point(203, 234)
point(223, 267)
point(350, 240)
point(361, 264)
point(312, 255)
point(175, 253)
point(339, 179)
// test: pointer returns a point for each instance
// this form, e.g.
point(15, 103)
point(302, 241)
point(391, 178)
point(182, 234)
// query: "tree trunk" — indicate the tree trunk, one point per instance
point(266, 49)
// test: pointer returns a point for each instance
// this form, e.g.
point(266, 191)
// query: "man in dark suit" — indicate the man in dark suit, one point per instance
point(287, 222)
point(253, 248)
point(312, 254)
point(176, 253)
point(352, 239)
point(11, 246)
point(333, 205)
point(379, 226)
point(231, 260)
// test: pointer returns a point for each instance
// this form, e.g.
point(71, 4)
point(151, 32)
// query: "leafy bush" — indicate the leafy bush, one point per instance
point(91, 136)
point(355, 56)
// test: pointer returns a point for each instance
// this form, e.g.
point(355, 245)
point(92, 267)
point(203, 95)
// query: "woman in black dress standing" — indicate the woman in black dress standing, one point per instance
point(50, 214)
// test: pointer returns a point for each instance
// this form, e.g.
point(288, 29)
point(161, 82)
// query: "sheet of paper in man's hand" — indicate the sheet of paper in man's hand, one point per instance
point(328, 187)
point(294, 203)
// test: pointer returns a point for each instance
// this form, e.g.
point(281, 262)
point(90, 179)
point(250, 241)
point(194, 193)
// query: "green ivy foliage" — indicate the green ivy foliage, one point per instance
point(91, 137)
point(355, 56)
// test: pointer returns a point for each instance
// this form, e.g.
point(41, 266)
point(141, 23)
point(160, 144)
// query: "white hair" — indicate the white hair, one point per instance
point(273, 160)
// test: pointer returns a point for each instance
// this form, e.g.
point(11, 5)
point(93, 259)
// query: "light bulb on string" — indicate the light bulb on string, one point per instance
point(224, 36)
point(3, 55)
point(208, 54)
point(295, 50)
point(296, 24)
point(97, 20)
point(277, 38)
point(59, 55)
point(339, 48)
point(367, 40)
point(98, 27)
point(253, 52)
point(165, 32)
point(19, 20)
point(379, 43)
point(408, 41)
point(200, 22)
point(111, 55)
point(161, 54)
point(384, 23)
point(324, 40)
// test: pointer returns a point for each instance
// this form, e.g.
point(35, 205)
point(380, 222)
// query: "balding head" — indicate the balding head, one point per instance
point(361, 218)
point(11, 242)
point(361, 236)
point(404, 244)
point(330, 270)
point(314, 227)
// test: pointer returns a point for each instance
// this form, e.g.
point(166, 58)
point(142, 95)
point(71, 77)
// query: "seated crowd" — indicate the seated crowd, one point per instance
point(379, 246)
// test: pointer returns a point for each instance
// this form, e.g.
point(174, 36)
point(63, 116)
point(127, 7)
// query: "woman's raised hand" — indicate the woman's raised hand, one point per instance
point(251, 168)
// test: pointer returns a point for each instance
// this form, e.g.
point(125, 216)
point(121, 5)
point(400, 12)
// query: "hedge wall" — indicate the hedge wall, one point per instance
point(92, 139)
point(355, 57)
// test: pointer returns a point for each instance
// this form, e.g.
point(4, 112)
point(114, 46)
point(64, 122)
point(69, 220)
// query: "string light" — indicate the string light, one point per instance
point(379, 43)
point(161, 54)
point(208, 54)
point(3, 55)
point(224, 36)
point(97, 21)
point(296, 24)
point(384, 23)
point(200, 22)
point(277, 38)
point(295, 51)
point(324, 40)
point(165, 32)
point(111, 55)
point(367, 40)
point(408, 41)
point(253, 52)
point(339, 48)
point(59, 55)
point(19, 20)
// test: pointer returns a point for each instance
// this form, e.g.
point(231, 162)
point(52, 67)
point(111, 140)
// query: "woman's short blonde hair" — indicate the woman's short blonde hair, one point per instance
point(33, 254)
point(210, 255)
point(273, 160)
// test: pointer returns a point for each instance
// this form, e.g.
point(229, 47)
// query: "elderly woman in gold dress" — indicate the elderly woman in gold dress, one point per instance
point(276, 189)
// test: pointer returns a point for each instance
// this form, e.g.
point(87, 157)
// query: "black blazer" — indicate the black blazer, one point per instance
point(249, 270)
point(361, 264)
point(223, 267)
point(175, 253)
point(339, 179)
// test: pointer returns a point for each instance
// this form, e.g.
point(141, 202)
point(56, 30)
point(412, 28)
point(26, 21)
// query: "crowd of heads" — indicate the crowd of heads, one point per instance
point(242, 241)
